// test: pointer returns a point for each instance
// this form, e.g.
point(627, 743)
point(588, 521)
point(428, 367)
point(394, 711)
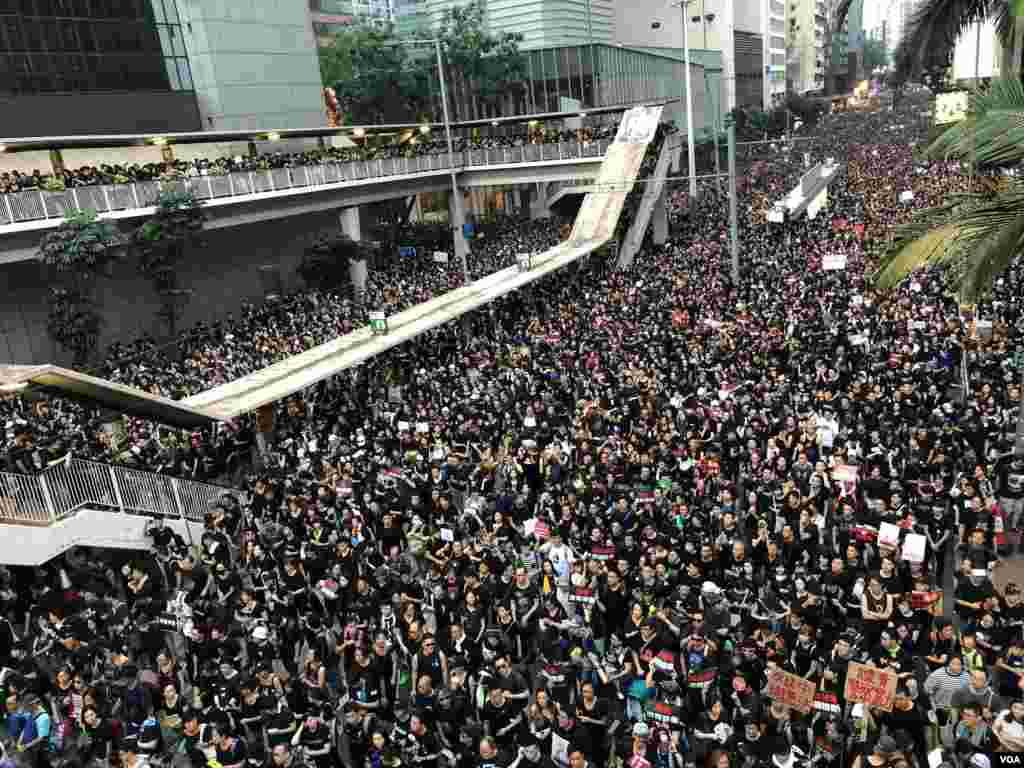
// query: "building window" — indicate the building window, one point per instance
point(91, 45)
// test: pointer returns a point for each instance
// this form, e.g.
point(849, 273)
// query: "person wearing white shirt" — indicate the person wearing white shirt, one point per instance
point(1009, 727)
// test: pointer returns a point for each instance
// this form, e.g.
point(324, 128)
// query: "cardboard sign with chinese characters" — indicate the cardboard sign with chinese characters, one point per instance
point(791, 690)
point(870, 686)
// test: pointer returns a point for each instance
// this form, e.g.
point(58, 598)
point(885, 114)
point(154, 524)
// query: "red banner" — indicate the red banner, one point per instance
point(791, 690)
point(870, 686)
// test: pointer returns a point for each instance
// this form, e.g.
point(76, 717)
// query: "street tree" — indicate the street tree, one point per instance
point(77, 253)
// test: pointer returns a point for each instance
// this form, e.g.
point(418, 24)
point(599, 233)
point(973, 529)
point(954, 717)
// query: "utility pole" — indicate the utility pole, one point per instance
point(688, 105)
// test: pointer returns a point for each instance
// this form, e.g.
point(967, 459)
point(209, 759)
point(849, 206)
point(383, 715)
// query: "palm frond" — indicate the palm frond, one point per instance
point(933, 246)
point(974, 236)
point(934, 27)
point(993, 130)
point(990, 257)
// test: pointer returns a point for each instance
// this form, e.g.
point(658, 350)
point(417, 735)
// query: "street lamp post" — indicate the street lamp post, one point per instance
point(686, 98)
point(690, 153)
point(462, 252)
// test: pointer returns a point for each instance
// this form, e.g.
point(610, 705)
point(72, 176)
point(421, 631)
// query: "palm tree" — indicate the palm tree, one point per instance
point(974, 236)
point(930, 36)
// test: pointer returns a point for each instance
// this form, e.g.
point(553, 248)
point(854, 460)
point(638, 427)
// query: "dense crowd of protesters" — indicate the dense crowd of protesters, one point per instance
point(589, 531)
point(414, 145)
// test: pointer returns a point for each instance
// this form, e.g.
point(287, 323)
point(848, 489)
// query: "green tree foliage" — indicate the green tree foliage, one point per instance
point(483, 68)
point(875, 54)
point(77, 253)
point(376, 77)
point(380, 77)
point(162, 244)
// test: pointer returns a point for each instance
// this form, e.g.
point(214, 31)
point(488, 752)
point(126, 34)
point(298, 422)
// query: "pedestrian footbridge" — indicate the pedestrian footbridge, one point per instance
point(81, 503)
point(235, 199)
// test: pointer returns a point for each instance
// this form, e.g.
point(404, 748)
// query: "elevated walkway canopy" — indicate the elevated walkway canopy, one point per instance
point(52, 379)
point(594, 226)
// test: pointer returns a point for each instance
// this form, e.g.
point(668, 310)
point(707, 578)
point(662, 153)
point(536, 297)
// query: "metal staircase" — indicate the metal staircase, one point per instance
point(85, 503)
point(667, 158)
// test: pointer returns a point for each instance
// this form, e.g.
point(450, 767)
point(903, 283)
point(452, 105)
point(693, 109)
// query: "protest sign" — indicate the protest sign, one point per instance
point(440, 257)
point(559, 750)
point(667, 714)
point(792, 690)
point(582, 595)
point(844, 473)
point(833, 261)
point(870, 686)
point(906, 197)
point(406, 252)
point(913, 547)
point(888, 535)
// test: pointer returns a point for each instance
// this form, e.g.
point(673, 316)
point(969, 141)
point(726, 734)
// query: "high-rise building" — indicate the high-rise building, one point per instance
point(758, 46)
point(977, 52)
point(807, 44)
point(774, 35)
point(156, 66)
point(97, 66)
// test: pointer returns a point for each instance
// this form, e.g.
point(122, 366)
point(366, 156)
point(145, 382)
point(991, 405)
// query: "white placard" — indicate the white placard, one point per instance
point(888, 534)
point(844, 473)
point(440, 257)
point(913, 547)
point(559, 750)
point(776, 215)
point(858, 339)
point(857, 301)
point(833, 261)
point(919, 325)
point(907, 197)
point(530, 422)
point(447, 534)
point(422, 427)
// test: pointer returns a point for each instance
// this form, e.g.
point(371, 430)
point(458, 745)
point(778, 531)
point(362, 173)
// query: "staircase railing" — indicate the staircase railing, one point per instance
point(60, 490)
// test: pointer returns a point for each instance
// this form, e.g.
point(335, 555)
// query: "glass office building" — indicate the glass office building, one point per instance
point(53, 46)
point(603, 75)
point(111, 50)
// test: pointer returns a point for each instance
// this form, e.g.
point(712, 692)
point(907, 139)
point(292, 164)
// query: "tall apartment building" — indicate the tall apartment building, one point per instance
point(807, 44)
point(773, 33)
point(758, 45)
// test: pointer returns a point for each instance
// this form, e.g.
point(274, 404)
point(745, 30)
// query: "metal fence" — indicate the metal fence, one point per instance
point(61, 490)
point(33, 205)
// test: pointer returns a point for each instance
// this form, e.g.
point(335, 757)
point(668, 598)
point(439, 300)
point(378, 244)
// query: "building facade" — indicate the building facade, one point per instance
point(254, 65)
point(773, 34)
point(156, 66)
point(758, 45)
point(808, 52)
point(104, 66)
